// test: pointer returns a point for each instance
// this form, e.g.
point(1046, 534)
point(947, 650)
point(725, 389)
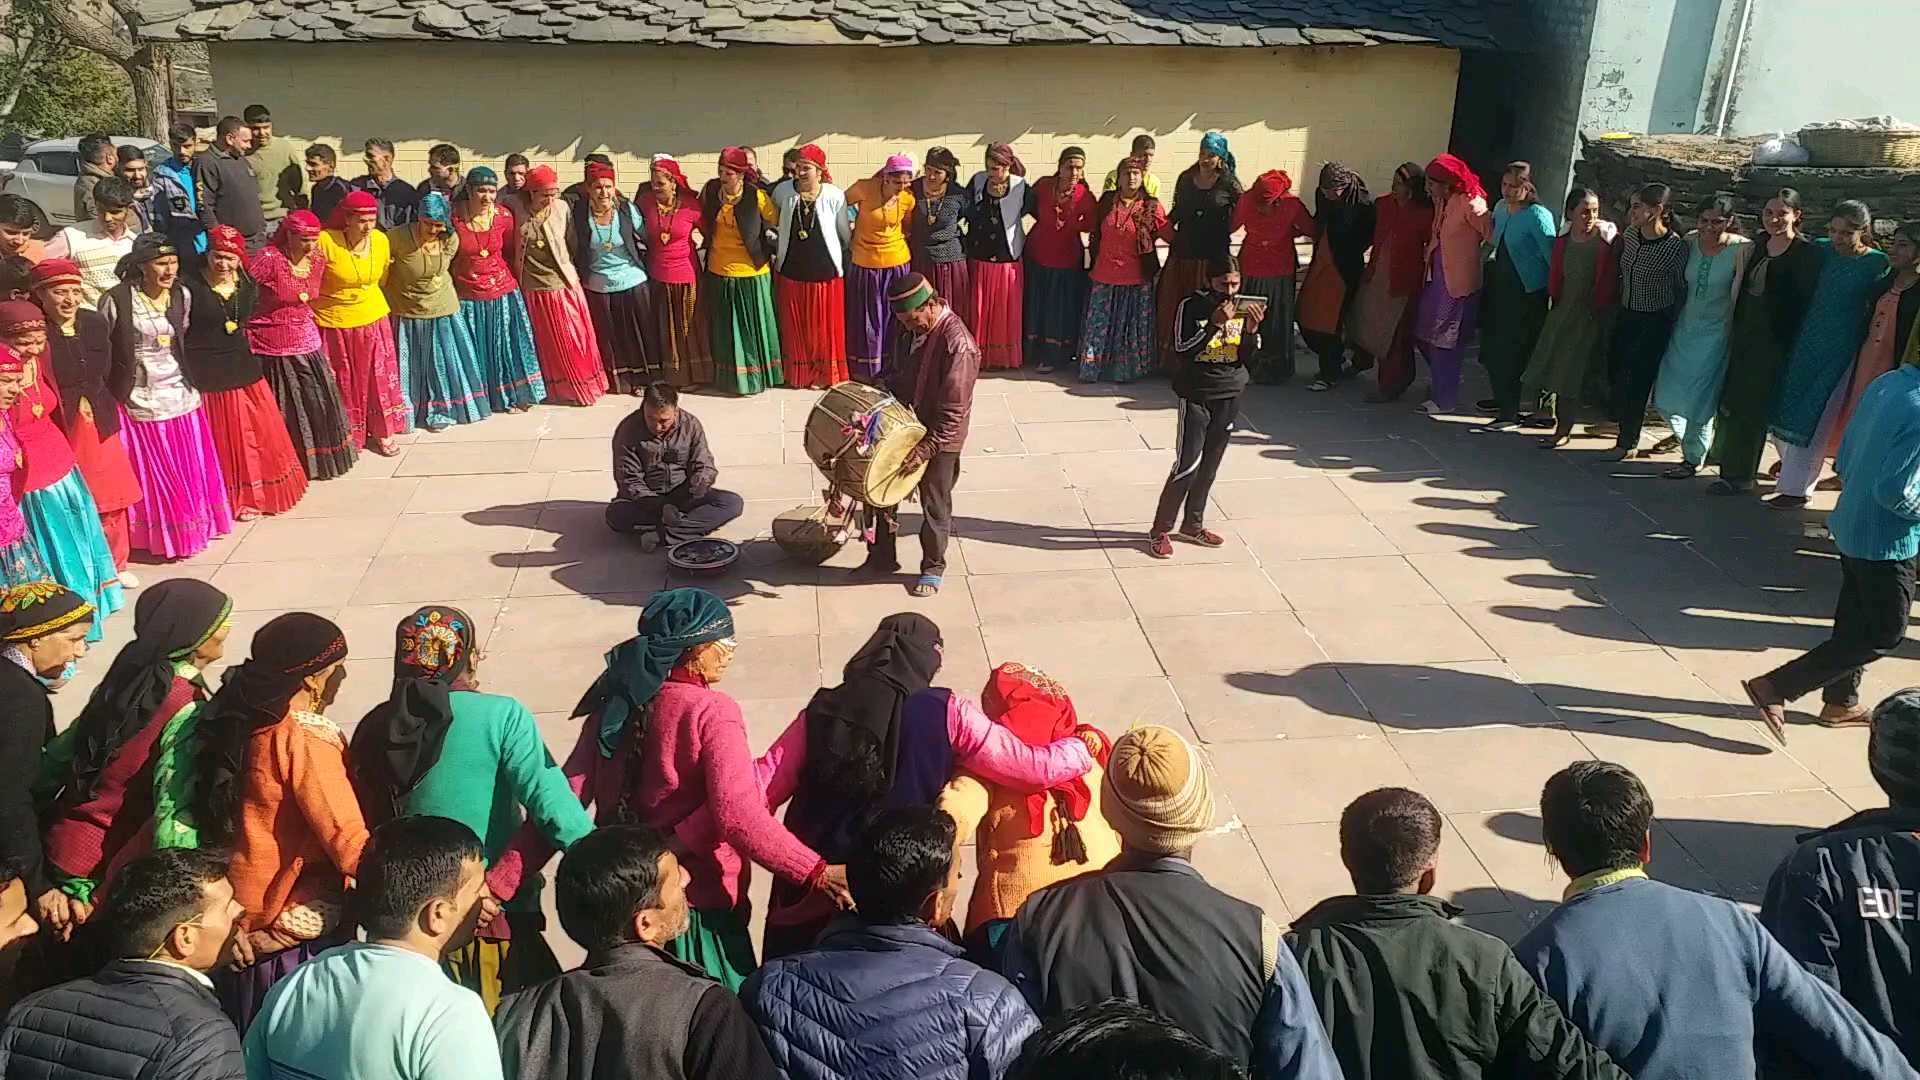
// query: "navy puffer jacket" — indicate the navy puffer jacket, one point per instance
point(134, 1020)
point(886, 1003)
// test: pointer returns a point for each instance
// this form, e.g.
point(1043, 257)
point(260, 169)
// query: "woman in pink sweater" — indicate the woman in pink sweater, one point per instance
point(884, 739)
point(662, 747)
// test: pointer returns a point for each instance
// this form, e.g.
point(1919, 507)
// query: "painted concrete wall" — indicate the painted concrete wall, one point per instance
point(1281, 108)
point(1549, 76)
point(1796, 69)
point(1648, 66)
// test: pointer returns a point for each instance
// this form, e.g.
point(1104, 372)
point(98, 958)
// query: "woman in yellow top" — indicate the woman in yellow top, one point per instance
point(738, 221)
point(882, 204)
point(351, 312)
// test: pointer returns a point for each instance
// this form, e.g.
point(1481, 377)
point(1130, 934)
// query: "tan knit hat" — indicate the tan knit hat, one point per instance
point(1156, 793)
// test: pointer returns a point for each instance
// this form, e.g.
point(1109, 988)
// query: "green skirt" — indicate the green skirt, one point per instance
point(744, 333)
point(717, 942)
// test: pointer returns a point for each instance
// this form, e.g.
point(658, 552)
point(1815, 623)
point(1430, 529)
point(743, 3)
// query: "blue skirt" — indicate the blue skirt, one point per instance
point(20, 562)
point(65, 525)
point(502, 334)
point(440, 370)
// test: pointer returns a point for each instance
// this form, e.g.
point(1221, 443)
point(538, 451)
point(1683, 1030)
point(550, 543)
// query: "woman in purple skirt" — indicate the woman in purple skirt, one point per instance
point(882, 203)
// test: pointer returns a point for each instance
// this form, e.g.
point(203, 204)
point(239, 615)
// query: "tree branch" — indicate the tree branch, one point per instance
point(91, 34)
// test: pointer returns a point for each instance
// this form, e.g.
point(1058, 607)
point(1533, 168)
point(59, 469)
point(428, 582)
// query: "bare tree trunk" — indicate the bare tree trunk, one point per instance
point(144, 62)
point(147, 70)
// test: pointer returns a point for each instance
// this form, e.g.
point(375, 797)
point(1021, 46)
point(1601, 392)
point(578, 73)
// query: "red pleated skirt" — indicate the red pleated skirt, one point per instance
point(813, 331)
point(263, 474)
point(564, 340)
point(999, 289)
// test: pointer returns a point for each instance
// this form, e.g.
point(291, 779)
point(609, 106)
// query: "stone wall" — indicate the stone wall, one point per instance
point(1698, 166)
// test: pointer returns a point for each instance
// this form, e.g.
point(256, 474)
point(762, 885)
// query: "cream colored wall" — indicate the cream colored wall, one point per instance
point(1292, 108)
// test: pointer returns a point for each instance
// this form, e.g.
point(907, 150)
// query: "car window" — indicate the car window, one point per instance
point(155, 155)
point(57, 162)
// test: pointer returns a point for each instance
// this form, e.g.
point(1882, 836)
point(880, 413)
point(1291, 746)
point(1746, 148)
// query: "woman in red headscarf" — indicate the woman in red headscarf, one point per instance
point(256, 457)
point(1449, 306)
point(1273, 217)
point(672, 216)
point(562, 326)
point(998, 202)
point(737, 221)
point(1056, 271)
point(815, 237)
point(355, 331)
point(80, 359)
point(282, 334)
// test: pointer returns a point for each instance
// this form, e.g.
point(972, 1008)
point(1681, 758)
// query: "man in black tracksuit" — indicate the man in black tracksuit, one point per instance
point(1214, 331)
point(1846, 903)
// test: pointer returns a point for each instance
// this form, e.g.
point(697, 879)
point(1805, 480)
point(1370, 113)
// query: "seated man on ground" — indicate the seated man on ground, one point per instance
point(1150, 929)
point(883, 995)
point(1408, 995)
point(150, 1013)
point(1672, 984)
point(631, 1012)
point(1843, 902)
point(382, 1007)
point(663, 475)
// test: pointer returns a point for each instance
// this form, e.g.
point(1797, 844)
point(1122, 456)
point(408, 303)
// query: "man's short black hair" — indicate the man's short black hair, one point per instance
point(599, 159)
point(904, 857)
point(1119, 1039)
point(1594, 815)
point(227, 126)
point(182, 131)
point(127, 153)
point(604, 878)
point(1142, 141)
point(321, 152)
point(443, 154)
point(517, 159)
point(16, 276)
point(410, 862)
point(256, 114)
point(150, 896)
point(1387, 837)
point(94, 145)
point(16, 211)
point(385, 146)
point(112, 193)
point(660, 395)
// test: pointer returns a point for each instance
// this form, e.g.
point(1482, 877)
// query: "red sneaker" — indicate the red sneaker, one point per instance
point(1160, 546)
point(1200, 534)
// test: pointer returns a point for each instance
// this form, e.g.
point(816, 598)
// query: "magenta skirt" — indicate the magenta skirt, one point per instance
point(183, 494)
point(368, 370)
point(564, 341)
point(953, 282)
point(999, 292)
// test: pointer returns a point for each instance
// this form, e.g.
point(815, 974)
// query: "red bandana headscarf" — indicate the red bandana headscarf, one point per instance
point(1037, 709)
point(598, 171)
point(813, 153)
point(543, 178)
point(356, 204)
point(50, 272)
point(735, 158)
point(1002, 154)
point(298, 223)
point(1272, 186)
point(226, 238)
point(1455, 172)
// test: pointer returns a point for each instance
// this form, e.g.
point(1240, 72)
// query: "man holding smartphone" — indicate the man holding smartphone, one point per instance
point(1215, 330)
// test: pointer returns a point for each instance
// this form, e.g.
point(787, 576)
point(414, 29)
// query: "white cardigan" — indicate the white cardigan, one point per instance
point(829, 207)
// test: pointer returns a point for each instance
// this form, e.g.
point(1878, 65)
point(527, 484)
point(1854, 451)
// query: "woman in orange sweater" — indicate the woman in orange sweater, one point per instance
point(272, 782)
point(1448, 310)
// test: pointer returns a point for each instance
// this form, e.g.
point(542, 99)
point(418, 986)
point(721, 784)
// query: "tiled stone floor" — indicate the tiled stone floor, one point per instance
point(1400, 601)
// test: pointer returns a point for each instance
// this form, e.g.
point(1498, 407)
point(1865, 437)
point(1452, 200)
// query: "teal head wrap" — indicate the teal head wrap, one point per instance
point(672, 622)
point(482, 176)
point(434, 207)
point(1216, 144)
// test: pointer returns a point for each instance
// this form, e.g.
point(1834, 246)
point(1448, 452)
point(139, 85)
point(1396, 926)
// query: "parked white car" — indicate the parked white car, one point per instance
point(45, 173)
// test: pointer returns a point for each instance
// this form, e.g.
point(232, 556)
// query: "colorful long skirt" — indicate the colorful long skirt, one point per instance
point(20, 562)
point(951, 280)
point(367, 371)
point(65, 526)
point(718, 943)
point(257, 459)
point(184, 504)
point(680, 333)
point(440, 367)
point(1180, 277)
point(1055, 306)
point(746, 333)
point(502, 333)
point(563, 339)
point(1443, 327)
point(243, 992)
point(871, 328)
point(316, 421)
point(623, 325)
point(813, 331)
point(999, 291)
point(1117, 345)
point(494, 967)
point(110, 480)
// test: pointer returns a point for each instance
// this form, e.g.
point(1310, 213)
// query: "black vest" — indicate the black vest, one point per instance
point(216, 358)
point(82, 370)
point(1153, 931)
point(746, 217)
point(580, 235)
point(126, 368)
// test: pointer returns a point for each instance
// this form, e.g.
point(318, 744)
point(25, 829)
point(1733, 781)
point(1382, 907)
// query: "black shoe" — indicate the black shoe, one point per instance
point(1487, 404)
point(1787, 502)
point(1728, 487)
point(1537, 421)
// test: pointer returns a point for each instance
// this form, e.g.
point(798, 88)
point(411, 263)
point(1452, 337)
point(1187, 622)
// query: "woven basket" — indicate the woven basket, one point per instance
point(1837, 148)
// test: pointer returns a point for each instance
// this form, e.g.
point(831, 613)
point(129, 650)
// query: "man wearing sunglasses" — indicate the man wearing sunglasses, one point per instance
point(166, 920)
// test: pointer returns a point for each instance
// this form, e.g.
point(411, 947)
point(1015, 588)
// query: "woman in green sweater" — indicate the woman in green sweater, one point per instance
point(438, 746)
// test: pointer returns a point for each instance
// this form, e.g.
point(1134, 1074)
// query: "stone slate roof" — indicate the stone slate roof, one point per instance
point(720, 23)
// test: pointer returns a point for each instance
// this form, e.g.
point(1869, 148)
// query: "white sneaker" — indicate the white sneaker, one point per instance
point(1431, 409)
point(127, 580)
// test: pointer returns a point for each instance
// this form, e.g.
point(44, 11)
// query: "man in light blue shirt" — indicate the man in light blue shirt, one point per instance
point(383, 1010)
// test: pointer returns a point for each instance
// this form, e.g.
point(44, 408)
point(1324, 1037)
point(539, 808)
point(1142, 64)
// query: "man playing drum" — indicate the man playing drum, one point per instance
point(663, 474)
point(937, 381)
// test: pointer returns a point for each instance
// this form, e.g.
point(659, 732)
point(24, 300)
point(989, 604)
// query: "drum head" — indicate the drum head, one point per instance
point(885, 484)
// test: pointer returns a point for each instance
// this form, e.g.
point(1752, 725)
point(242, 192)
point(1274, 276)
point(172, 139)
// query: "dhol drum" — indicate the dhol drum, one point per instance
point(859, 436)
point(813, 533)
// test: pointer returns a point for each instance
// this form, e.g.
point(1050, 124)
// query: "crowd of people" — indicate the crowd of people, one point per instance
point(199, 883)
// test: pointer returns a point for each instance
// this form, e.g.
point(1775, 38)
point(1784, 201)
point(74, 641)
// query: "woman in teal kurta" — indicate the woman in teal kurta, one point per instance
point(438, 746)
point(1688, 390)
